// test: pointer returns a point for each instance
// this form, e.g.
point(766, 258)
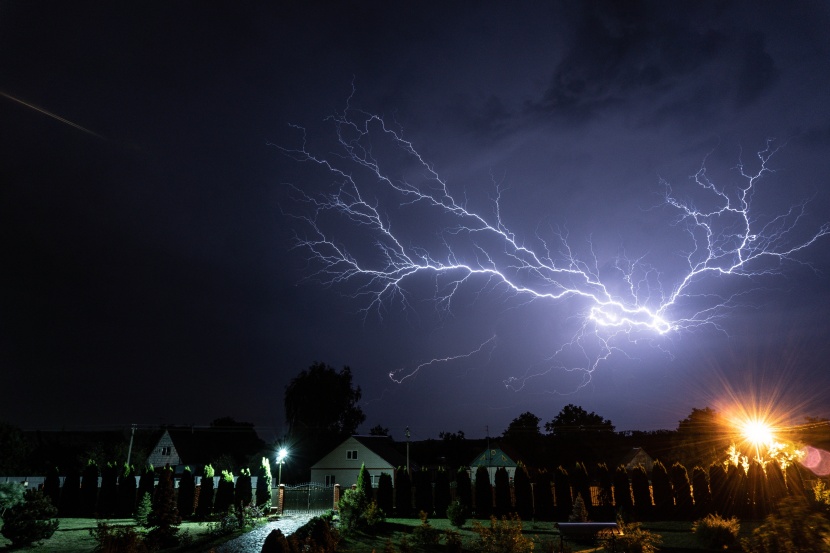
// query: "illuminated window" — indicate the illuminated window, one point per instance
point(351, 454)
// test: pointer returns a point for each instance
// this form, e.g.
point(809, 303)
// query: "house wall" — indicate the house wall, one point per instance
point(346, 470)
point(157, 456)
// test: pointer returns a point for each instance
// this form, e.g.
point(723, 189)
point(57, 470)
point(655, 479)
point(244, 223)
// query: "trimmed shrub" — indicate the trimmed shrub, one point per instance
point(562, 493)
point(164, 516)
point(636, 540)
point(641, 492)
point(70, 503)
point(244, 493)
point(579, 512)
point(622, 491)
point(31, 521)
point(147, 482)
point(662, 491)
point(425, 535)
point(423, 491)
point(204, 507)
point(543, 497)
point(52, 486)
point(716, 532)
point(442, 492)
point(126, 492)
point(89, 489)
point(263, 485)
point(684, 507)
point(11, 494)
point(403, 493)
point(187, 494)
point(386, 493)
point(502, 486)
point(224, 493)
point(484, 493)
point(702, 494)
point(108, 497)
point(795, 528)
point(464, 488)
point(457, 514)
point(523, 492)
point(117, 539)
point(142, 511)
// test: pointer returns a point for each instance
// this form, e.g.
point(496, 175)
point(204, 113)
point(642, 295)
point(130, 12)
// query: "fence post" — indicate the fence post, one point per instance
point(336, 496)
point(281, 498)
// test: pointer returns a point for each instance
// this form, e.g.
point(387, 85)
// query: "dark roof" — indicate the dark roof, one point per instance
point(199, 446)
point(386, 448)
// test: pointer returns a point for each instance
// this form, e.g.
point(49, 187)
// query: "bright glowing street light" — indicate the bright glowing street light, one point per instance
point(281, 455)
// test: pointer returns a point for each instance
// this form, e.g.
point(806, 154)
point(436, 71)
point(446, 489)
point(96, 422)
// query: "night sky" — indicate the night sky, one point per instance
point(148, 220)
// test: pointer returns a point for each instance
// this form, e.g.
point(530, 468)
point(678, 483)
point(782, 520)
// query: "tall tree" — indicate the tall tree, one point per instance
point(13, 450)
point(322, 409)
point(224, 492)
point(641, 492)
point(700, 438)
point(662, 491)
point(682, 487)
point(622, 491)
point(523, 434)
point(164, 516)
point(573, 419)
point(378, 430)
point(702, 493)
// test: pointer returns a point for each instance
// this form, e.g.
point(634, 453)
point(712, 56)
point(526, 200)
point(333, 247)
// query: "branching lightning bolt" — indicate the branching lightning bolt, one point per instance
point(380, 179)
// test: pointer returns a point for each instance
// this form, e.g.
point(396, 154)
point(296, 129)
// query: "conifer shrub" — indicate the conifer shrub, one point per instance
point(579, 512)
point(11, 494)
point(635, 540)
point(187, 494)
point(89, 489)
point(142, 511)
point(70, 503)
point(641, 492)
point(662, 491)
point(442, 492)
point(108, 495)
point(484, 493)
point(795, 528)
point(147, 482)
point(457, 514)
point(204, 507)
point(403, 493)
point(31, 521)
point(543, 497)
point(464, 488)
point(523, 492)
point(117, 539)
point(562, 493)
point(243, 494)
point(425, 535)
point(716, 532)
point(622, 491)
point(316, 535)
point(276, 542)
point(423, 491)
point(224, 493)
point(126, 492)
point(502, 488)
point(386, 493)
point(164, 516)
point(52, 486)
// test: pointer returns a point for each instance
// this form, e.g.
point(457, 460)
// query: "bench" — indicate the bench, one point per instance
point(588, 531)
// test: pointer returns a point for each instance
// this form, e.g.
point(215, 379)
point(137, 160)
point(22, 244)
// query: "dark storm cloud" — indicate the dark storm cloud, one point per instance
point(626, 55)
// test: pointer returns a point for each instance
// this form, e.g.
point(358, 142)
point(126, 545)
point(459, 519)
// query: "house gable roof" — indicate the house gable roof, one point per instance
point(493, 457)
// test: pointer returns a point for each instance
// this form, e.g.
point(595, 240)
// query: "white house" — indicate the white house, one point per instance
point(493, 458)
point(342, 464)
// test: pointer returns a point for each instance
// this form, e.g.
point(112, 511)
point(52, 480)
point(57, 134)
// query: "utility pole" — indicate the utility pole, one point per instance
point(407, 452)
point(130, 450)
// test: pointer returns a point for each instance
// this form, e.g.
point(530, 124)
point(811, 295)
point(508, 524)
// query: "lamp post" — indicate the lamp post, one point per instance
point(281, 455)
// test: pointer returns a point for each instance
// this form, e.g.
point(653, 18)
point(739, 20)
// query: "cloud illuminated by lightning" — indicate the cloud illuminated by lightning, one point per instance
point(391, 223)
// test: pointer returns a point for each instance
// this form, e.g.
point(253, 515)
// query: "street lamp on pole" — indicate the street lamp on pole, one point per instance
point(281, 455)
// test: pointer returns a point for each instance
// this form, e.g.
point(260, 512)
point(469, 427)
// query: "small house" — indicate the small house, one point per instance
point(342, 465)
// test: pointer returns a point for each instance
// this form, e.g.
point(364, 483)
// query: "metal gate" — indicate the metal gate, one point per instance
point(311, 497)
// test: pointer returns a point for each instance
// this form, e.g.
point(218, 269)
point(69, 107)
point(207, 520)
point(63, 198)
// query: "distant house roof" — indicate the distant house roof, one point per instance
point(200, 446)
point(493, 457)
point(637, 456)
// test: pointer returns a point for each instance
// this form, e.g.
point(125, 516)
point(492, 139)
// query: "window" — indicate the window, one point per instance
point(166, 450)
point(351, 454)
point(329, 480)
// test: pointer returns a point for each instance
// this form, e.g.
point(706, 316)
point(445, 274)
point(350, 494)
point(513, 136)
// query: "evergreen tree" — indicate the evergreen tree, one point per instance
point(70, 504)
point(562, 493)
point(640, 491)
point(224, 493)
point(757, 500)
point(52, 487)
point(684, 505)
point(662, 492)
point(164, 517)
point(187, 494)
point(244, 490)
point(89, 489)
point(204, 507)
point(403, 493)
point(147, 482)
point(622, 491)
point(777, 487)
point(364, 483)
point(386, 493)
point(108, 497)
point(524, 492)
point(736, 490)
point(442, 493)
point(702, 494)
point(464, 489)
point(126, 492)
point(502, 486)
point(484, 493)
point(543, 496)
point(263, 484)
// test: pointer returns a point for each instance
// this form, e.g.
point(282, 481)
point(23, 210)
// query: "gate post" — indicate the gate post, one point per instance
point(281, 498)
point(336, 497)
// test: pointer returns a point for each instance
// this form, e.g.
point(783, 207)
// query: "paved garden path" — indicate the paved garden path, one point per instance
point(253, 540)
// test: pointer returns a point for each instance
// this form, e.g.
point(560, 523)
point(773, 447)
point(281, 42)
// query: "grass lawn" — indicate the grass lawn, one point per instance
point(72, 536)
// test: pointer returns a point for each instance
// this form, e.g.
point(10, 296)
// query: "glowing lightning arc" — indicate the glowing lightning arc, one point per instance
point(381, 180)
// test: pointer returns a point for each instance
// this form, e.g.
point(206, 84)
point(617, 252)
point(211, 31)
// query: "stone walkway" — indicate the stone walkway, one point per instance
point(253, 540)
